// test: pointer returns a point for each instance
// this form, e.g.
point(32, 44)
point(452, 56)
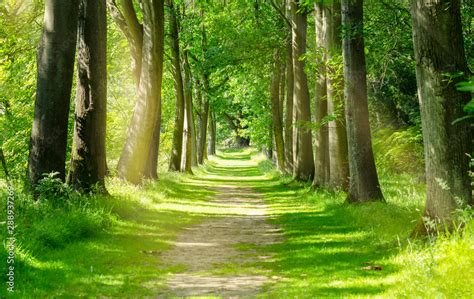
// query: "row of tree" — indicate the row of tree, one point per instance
point(218, 52)
point(144, 28)
point(342, 155)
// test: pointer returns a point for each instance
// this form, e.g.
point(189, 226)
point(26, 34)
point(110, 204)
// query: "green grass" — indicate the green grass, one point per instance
point(112, 246)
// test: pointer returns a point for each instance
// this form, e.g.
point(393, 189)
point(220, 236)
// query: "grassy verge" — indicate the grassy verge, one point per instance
point(101, 246)
point(332, 249)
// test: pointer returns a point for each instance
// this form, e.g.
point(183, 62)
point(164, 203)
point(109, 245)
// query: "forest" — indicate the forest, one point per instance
point(237, 148)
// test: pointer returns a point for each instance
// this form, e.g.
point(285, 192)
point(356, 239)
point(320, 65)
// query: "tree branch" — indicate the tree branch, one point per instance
point(280, 12)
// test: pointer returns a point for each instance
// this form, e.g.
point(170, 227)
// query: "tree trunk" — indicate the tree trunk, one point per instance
point(88, 163)
point(439, 51)
point(304, 160)
point(289, 96)
point(269, 146)
point(203, 123)
point(364, 184)
point(276, 113)
point(321, 156)
point(212, 133)
point(151, 169)
point(338, 155)
point(138, 153)
point(176, 150)
point(55, 62)
point(289, 109)
point(190, 153)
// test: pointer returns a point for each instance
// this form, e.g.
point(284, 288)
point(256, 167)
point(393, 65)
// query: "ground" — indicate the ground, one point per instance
point(236, 229)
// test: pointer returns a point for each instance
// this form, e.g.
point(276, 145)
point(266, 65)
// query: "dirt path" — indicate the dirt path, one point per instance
point(209, 249)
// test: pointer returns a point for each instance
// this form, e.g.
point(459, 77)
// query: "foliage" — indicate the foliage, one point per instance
point(19, 33)
point(399, 151)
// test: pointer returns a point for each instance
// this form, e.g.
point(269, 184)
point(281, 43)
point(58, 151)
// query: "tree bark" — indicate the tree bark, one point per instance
point(289, 100)
point(304, 160)
point(55, 63)
point(338, 155)
point(321, 155)
point(212, 133)
point(364, 184)
point(276, 113)
point(439, 52)
point(204, 116)
point(138, 152)
point(190, 154)
point(176, 150)
point(88, 162)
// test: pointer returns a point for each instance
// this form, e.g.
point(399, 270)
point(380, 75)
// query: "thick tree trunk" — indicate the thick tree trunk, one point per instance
point(304, 160)
point(151, 169)
point(54, 82)
point(289, 99)
point(276, 113)
point(338, 155)
point(138, 152)
point(321, 155)
point(176, 150)
point(211, 149)
point(88, 163)
point(439, 50)
point(364, 184)
point(190, 153)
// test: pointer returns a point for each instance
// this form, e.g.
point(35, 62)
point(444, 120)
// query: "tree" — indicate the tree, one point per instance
point(203, 118)
point(321, 161)
point(364, 184)
point(211, 148)
point(441, 63)
point(337, 134)
point(190, 155)
point(203, 98)
point(276, 113)
point(55, 63)
point(176, 150)
point(289, 97)
point(304, 160)
point(88, 163)
point(140, 154)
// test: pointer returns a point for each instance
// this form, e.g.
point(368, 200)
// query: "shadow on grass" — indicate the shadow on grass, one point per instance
point(322, 253)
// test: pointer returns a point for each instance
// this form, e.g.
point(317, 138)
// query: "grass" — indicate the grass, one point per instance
point(117, 251)
point(118, 259)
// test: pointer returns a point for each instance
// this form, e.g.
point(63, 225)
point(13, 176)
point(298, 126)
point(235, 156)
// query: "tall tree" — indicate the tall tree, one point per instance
point(203, 99)
point(176, 150)
point(276, 112)
point(440, 56)
point(364, 184)
point(140, 153)
point(191, 152)
point(203, 117)
point(88, 163)
point(338, 155)
point(304, 160)
point(211, 148)
point(321, 161)
point(289, 97)
point(55, 63)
